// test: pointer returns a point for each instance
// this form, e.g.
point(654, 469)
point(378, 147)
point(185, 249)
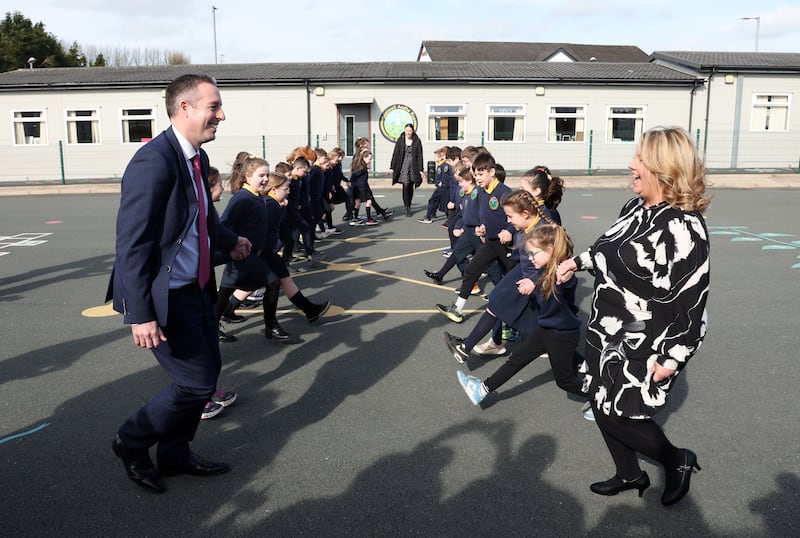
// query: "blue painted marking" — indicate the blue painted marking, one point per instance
point(23, 434)
point(775, 234)
point(796, 266)
point(746, 239)
point(723, 232)
point(778, 247)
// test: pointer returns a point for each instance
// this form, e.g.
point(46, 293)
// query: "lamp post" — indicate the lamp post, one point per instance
point(214, 17)
point(758, 26)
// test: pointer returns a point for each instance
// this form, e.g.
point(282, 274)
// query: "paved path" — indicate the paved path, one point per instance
point(360, 428)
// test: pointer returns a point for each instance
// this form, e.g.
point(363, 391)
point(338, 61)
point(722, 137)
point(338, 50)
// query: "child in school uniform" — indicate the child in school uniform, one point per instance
point(466, 242)
point(337, 193)
point(362, 193)
point(452, 199)
point(439, 188)
point(494, 231)
point(510, 300)
point(276, 192)
point(316, 193)
point(221, 398)
point(558, 328)
point(298, 210)
point(546, 192)
point(246, 215)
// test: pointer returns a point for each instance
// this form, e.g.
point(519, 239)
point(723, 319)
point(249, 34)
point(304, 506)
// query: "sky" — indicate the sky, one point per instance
point(252, 31)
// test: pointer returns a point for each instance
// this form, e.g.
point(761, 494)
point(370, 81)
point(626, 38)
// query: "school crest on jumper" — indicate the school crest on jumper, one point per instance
point(494, 203)
point(473, 193)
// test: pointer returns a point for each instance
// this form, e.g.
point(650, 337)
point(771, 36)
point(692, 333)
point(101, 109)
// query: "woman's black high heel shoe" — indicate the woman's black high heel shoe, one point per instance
point(617, 484)
point(677, 479)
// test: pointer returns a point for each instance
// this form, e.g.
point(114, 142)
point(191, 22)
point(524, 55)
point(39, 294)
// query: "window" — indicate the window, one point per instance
point(83, 127)
point(625, 123)
point(566, 123)
point(30, 127)
point(138, 124)
point(446, 122)
point(770, 112)
point(506, 123)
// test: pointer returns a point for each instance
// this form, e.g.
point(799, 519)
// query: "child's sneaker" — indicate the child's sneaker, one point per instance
point(426, 220)
point(476, 290)
point(456, 347)
point(224, 398)
point(447, 252)
point(254, 299)
point(371, 222)
point(510, 334)
point(472, 386)
point(490, 348)
point(211, 410)
point(451, 312)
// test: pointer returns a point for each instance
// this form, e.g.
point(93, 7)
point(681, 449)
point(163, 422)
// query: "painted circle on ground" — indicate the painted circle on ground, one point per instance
point(104, 311)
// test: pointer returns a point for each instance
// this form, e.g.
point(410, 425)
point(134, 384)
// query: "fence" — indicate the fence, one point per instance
point(77, 163)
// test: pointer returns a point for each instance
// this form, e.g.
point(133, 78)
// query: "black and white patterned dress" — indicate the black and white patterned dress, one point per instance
point(649, 304)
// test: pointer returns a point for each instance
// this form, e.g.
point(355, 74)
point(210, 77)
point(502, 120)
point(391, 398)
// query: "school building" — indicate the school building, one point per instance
point(576, 108)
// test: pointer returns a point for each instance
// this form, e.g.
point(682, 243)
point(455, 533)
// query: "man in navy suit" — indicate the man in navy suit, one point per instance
point(163, 282)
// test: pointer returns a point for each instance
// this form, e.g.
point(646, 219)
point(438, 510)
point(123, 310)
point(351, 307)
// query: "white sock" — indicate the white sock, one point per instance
point(460, 304)
point(483, 391)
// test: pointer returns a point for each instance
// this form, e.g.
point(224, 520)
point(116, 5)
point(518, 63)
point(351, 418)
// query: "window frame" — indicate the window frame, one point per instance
point(430, 114)
point(123, 118)
point(637, 133)
point(22, 120)
point(93, 119)
point(755, 104)
point(552, 115)
point(522, 114)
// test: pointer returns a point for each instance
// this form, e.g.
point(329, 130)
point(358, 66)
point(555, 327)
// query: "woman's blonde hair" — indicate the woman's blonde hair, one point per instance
point(670, 154)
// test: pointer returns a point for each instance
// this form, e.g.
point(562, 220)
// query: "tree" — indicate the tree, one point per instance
point(20, 40)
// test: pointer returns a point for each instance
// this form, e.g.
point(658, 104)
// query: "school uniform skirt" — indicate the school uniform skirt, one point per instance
point(511, 307)
point(250, 273)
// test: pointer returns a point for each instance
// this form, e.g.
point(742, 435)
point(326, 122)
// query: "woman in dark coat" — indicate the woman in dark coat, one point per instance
point(406, 167)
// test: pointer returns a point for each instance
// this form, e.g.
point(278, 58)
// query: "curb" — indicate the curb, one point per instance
point(716, 181)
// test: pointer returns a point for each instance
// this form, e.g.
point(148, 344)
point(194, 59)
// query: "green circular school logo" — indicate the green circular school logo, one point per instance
point(394, 119)
point(494, 203)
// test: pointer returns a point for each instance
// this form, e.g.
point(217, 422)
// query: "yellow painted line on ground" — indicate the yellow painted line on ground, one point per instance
point(402, 256)
point(398, 239)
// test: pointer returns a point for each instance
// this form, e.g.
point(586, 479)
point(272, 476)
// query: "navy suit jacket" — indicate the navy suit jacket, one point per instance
point(157, 206)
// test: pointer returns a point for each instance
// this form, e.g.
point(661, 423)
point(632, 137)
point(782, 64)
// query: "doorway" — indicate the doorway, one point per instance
point(353, 124)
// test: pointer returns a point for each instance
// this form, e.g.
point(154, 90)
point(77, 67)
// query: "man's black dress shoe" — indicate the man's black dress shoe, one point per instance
point(196, 466)
point(139, 466)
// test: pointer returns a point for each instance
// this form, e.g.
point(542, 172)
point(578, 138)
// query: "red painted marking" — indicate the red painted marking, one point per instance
point(54, 222)
point(589, 217)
